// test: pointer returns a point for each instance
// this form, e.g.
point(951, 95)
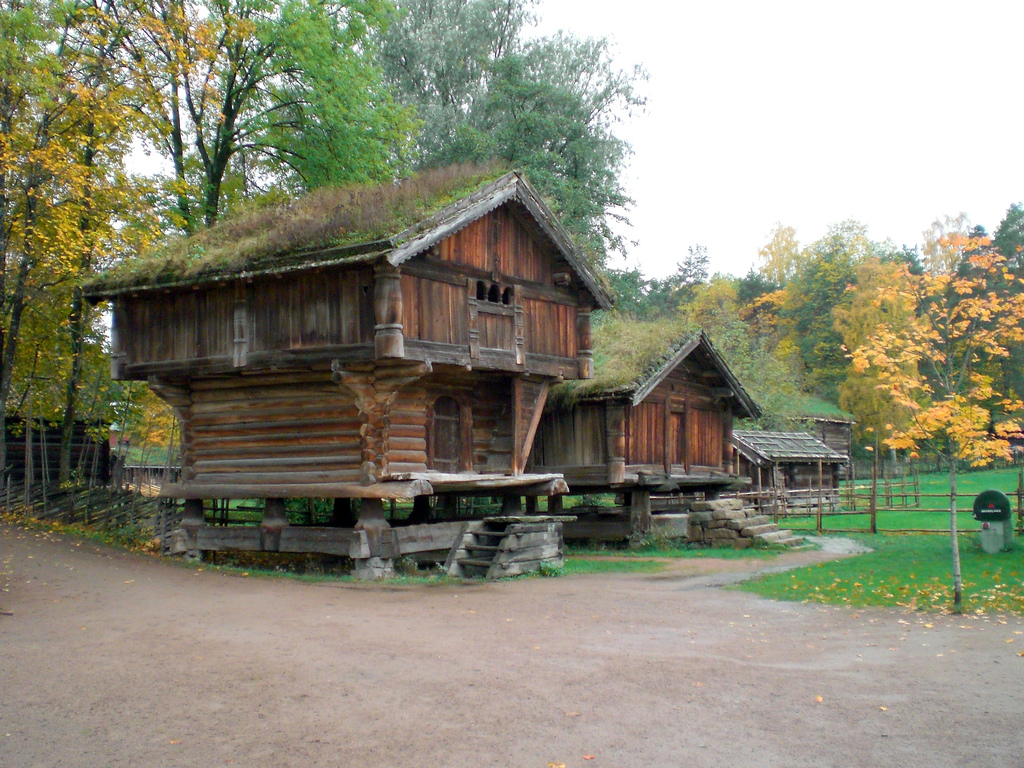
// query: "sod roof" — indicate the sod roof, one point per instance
point(340, 225)
point(632, 357)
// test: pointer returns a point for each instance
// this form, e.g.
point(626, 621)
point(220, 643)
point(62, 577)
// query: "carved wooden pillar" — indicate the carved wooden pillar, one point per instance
point(374, 391)
point(615, 418)
point(585, 340)
point(240, 345)
point(118, 321)
point(389, 341)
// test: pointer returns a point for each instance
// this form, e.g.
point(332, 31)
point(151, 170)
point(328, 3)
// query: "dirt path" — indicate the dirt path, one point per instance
point(112, 659)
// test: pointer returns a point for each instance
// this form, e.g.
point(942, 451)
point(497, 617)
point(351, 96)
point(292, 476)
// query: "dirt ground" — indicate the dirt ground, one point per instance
point(113, 659)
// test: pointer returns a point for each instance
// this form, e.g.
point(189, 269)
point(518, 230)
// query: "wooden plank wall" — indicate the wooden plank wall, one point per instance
point(500, 242)
point(301, 310)
point(550, 328)
point(311, 309)
point(571, 438)
point(178, 326)
point(434, 311)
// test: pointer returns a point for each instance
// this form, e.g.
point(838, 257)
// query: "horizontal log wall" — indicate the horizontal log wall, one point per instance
point(301, 428)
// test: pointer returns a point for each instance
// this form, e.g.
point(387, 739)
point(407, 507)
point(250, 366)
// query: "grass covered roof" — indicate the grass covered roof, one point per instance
point(626, 353)
point(343, 223)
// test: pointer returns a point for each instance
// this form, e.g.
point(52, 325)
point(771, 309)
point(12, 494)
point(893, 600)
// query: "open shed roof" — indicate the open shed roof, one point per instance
point(763, 447)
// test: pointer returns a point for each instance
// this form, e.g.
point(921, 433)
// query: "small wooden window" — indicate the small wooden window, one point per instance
point(446, 436)
point(494, 294)
point(481, 290)
point(506, 296)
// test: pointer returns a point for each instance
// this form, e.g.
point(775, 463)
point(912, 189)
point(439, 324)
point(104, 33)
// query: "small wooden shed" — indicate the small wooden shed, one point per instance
point(790, 470)
point(656, 417)
point(375, 343)
point(827, 422)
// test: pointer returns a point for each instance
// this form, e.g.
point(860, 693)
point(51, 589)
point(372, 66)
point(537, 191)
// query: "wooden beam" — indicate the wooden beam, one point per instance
point(244, 490)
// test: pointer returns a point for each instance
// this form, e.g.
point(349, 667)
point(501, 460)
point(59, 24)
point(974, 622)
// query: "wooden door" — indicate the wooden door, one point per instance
point(678, 439)
point(446, 436)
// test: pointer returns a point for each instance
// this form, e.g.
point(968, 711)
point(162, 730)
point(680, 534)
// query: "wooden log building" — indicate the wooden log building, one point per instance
point(790, 471)
point(308, 356)
point(656, 418)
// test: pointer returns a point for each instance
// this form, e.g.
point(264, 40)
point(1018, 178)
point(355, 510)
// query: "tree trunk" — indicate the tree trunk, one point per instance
point(954, 540)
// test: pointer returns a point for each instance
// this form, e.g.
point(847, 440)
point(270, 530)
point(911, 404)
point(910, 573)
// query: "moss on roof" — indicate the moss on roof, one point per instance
point(626, 353)
point(810, 407)
point(325, 218)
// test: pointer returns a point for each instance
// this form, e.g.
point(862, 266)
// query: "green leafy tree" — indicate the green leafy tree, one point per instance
point(546, 106)
point(248, 96)
point(828, 268)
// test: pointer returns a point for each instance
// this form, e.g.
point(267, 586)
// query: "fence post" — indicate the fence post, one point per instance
point(1020, 501)
point(873, 503)
point(819, 495)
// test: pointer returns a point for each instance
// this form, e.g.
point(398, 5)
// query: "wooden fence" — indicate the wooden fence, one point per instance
point(895, 496)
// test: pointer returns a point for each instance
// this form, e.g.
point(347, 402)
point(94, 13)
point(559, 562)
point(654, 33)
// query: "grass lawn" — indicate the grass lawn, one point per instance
point(909, 571)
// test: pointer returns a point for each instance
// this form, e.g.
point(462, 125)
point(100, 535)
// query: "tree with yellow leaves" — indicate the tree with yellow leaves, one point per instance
point(966, 312)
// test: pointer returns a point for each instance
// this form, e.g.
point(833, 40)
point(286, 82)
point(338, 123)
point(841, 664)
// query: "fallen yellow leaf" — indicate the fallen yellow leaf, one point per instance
point(588, 757)
point(884, 709)
point(556, 765)
point(818, 699)
point(572, 714)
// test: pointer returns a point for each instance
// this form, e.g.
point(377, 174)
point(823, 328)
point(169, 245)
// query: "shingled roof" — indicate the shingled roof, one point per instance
point(359, 224)
point(763, 447)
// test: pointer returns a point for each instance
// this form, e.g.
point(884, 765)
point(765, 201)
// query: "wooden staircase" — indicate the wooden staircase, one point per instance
point(496, 547)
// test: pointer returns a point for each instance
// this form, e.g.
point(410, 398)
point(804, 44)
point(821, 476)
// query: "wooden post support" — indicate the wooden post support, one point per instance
point(378, 530)
point(640, 523)
point(531, 505)
point(388, 337)
point(555, 505)
point(191, 521)
point(275, 519)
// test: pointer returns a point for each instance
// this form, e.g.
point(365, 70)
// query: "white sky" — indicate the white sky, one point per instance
point(809, 113)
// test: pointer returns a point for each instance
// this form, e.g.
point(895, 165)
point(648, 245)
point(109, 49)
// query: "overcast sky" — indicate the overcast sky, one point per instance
point(809, 113)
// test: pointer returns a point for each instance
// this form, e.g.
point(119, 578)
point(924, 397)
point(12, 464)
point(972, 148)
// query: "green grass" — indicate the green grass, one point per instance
point(908, 571)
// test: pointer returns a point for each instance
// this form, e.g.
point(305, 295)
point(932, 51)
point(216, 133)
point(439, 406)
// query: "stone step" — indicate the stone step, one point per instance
point(754, 531)
point(774, 537)
point(793, 541)
point(759, 520)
